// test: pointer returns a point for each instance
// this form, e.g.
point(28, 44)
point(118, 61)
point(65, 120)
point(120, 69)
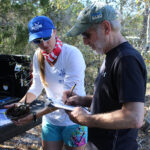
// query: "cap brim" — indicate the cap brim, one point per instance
point(77, 29)
point(43, 34)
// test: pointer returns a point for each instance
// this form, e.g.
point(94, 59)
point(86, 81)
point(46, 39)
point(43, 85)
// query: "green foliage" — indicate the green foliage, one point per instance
point(15, 15)
point(13, 25)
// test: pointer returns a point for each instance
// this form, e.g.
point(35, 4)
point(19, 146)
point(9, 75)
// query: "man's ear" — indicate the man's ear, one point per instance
point(107, 26)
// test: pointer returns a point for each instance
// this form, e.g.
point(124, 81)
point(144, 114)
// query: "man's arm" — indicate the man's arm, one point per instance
point(130, 116)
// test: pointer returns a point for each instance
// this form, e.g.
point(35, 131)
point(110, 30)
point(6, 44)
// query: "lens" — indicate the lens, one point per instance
point(86, 35)
point(46, 39)
point(38, 41)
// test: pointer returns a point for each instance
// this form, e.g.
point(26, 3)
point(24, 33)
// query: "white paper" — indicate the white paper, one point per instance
point(63, 106)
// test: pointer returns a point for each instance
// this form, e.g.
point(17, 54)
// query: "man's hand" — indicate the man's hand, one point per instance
point(76, 100)
point(71, 98)
point(79, 116)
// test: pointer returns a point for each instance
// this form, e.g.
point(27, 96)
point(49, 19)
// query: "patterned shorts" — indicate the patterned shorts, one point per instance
point(73, 136)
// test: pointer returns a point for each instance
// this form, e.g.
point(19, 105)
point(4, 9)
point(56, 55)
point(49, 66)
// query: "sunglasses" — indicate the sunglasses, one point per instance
point(86, 35)
point(39, 40)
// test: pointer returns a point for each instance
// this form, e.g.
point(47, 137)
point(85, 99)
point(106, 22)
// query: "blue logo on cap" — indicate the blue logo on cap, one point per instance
point(96, 16)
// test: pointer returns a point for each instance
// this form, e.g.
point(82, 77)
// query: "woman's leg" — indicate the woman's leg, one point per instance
point(75, 148)
point(51, 137)
point(75, 137)
point(52, 145)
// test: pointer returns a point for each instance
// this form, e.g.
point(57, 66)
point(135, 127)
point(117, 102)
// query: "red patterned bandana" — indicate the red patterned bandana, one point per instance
point(52, 56)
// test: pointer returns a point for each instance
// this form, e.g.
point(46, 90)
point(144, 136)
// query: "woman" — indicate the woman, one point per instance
point(56, 67)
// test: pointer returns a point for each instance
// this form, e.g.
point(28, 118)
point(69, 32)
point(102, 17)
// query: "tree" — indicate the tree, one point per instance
point(15, 14)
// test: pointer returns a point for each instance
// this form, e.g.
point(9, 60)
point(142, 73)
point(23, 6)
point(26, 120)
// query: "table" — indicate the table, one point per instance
point(8, 129)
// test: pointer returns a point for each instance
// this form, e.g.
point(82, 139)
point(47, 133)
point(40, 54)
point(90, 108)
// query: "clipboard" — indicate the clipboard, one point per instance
point(63, 106)
point(3, 118)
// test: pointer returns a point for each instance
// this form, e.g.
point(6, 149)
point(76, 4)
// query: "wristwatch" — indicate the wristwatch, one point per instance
point(34, 116)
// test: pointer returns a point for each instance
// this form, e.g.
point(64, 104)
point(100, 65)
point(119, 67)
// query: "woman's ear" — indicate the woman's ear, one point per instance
point(54, 32)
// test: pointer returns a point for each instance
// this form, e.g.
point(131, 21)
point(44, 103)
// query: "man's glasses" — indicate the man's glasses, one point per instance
point(86, 35)
point(38, 41)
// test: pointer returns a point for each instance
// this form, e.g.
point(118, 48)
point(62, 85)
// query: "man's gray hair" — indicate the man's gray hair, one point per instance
point(115, 24)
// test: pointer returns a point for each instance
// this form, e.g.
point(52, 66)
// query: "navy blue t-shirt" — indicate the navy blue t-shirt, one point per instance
point(122, 79)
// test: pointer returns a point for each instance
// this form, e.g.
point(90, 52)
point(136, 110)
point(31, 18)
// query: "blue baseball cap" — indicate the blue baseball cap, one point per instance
point(40, 27)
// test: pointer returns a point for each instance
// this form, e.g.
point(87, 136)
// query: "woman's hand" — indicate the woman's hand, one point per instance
point(12, 105)
point(24, 120)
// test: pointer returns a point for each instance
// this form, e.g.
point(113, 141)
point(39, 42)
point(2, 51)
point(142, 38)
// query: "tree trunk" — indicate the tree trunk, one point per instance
point(148, 34)
point(143, 34)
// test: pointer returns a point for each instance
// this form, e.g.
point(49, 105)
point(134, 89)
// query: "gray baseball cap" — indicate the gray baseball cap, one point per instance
point(93, 14)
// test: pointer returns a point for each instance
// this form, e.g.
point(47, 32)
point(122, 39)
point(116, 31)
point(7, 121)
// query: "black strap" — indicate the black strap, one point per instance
point(34, 116)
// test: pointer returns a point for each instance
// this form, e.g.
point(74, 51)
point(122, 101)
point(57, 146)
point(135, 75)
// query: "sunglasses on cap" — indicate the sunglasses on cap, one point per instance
point(39, 40)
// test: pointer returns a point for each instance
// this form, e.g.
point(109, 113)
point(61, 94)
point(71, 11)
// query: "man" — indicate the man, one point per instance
point(117, 105)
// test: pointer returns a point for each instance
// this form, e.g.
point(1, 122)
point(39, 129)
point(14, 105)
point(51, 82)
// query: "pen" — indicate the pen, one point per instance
point(25, 102)
point(72, 89)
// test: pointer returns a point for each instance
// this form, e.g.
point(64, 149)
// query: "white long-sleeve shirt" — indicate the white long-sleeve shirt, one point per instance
point(68, 70)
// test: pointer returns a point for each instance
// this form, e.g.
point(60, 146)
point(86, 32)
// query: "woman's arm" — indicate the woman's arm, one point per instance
point(30, 117)
point(29, 97)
